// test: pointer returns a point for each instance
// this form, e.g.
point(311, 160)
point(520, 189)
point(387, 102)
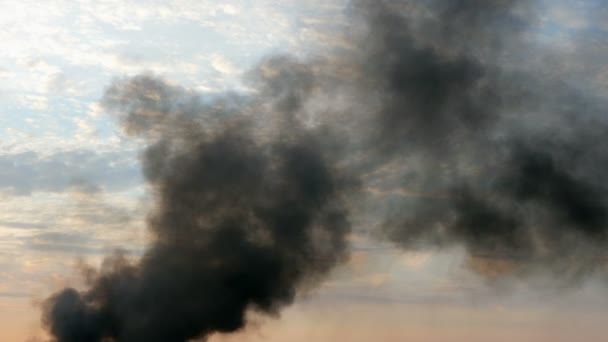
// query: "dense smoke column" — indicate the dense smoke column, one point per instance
point(240, 223)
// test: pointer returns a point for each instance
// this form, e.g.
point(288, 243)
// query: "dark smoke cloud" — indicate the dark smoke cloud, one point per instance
point(429, 94)
point(435, 99)
point(240, 223)
point(510, 154)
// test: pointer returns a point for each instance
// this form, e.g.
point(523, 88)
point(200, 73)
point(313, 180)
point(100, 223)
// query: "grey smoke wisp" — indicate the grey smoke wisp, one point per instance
point(441, 100)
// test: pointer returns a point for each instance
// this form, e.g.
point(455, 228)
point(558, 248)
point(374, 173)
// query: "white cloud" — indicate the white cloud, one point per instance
point(223, 65)
point(230, 9)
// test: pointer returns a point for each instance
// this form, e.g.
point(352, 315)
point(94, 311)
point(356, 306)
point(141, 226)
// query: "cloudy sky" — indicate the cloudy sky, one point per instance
point(71, 188)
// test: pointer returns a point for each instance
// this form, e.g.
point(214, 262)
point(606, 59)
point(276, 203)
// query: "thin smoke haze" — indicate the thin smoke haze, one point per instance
point(254, 194)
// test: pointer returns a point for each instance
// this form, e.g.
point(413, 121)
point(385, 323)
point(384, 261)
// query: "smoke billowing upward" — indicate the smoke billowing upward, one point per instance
point(239, 224)
point(491, 155)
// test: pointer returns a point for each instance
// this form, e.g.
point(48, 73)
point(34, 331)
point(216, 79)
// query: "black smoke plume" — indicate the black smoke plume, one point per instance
point(457, 136)
point(240, 222)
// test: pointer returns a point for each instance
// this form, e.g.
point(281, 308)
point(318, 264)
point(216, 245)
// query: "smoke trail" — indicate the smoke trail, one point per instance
point(510, 163)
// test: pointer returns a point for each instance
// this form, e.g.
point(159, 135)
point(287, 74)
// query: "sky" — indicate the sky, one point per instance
point(72, 189)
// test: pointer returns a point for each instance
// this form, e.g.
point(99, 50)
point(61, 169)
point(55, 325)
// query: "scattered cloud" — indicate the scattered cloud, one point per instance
point(29, 172)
